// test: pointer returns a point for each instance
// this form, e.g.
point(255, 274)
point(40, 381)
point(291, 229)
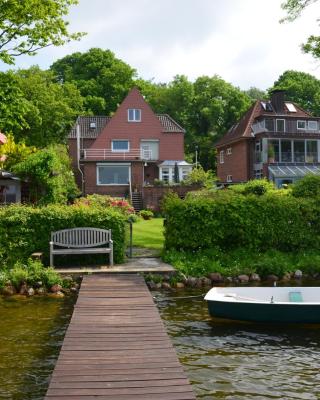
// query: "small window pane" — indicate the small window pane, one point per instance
point(165, 174)
point(113, 175)
point(120, 145)
point(134, 115)
point(298, 150)
point(312, 151)
point(221, 157)
point(280, 125)
point(269, 124)
point(301, 124)
point(312, 125)
point(286, 151)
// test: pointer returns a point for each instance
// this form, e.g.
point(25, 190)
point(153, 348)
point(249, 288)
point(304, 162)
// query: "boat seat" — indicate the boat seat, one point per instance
point(295, 297)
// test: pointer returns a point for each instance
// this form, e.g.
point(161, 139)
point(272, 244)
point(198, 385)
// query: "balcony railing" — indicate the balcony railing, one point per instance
point(108, 154)
point(296, 157)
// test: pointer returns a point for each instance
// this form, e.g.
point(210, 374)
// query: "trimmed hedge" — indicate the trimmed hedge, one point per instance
point(25, 229)
point(229, 221)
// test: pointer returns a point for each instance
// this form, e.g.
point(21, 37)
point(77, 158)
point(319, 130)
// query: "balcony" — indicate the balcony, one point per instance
point(296, 157)
point(108, 154)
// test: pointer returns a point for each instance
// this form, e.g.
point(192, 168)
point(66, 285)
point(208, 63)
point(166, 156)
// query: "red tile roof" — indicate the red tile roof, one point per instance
point(242, 129)
point(168, 125)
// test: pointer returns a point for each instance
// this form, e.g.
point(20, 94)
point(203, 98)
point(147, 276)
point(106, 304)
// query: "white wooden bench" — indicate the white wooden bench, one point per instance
point(81, 241)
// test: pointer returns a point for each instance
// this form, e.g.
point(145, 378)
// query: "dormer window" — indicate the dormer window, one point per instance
point(280, 123)
point(134, 115)
point(301, 125)
point(312, 125)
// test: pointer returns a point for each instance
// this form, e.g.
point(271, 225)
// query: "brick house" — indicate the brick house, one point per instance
point(275, 139)
point(119, 155)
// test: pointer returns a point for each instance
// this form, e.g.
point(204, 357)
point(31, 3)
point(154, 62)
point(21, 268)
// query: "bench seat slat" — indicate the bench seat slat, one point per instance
point(81, 241)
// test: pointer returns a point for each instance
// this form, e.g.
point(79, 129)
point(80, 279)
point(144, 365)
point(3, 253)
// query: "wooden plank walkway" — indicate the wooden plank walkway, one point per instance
point(116, 346)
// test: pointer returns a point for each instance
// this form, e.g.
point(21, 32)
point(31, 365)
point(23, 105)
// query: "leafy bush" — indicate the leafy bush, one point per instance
point(18, 275)
point(3, 279)
point(231, 221)
point(102, 201)
point(309, 186)
point(198, 176)
point(146, 214)
point(49, 175)
point(25, 229)
point(258, 187)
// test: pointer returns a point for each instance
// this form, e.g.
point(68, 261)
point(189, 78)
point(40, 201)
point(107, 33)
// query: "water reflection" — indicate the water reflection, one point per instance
point(239, 360)
point(31, 333)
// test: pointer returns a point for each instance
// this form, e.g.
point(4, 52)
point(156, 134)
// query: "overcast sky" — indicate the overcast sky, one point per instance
point(240, 40)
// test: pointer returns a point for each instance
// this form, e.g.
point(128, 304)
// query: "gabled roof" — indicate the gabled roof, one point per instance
point(242, 129)
point(168, 125)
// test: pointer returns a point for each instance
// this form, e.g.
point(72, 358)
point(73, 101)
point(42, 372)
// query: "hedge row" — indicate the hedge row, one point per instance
point(25, 229)
point(232, 221)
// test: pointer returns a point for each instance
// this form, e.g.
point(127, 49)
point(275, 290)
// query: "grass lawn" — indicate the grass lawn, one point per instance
point(148, 233)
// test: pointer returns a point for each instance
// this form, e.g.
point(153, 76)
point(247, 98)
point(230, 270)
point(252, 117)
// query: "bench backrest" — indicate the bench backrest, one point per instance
point(81, 237)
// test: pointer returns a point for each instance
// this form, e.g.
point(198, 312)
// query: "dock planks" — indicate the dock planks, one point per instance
point(116, 346)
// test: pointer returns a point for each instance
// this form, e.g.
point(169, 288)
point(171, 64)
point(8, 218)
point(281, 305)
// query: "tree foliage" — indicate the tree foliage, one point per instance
point(301, 88)
point(11, 153)
point(29, 25)
point(103, 79)
point(37, 109)
point(294, 9)
point(49, 175)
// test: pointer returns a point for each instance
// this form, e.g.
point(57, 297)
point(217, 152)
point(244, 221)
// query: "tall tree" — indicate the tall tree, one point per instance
point(53, 107)
point(29, 25)
point(294, 9)
point(301, 88)
point(102, 79)
point(13, 105)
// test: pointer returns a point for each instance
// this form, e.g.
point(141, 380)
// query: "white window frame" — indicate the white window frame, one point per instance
point(305, 125)
point(170, 173)
point(312, 129)
point(229, 178)
point(221, 154)
point(119, 150)
point(134, 115)
point(113, 165)
point(284, 124)
point(229, 151)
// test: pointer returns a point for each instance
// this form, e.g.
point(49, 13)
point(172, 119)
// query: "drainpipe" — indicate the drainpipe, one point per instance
point(78, 158)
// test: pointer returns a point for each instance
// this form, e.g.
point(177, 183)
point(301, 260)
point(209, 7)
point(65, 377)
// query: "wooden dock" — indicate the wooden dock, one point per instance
point(116, 346)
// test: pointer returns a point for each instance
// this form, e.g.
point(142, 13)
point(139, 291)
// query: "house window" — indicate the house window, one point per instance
point(269, 124)
point(185, 172)
point(301, 125)
point(298, 150)
point(165, 174)
point(286, 151)
point(312, 151)
point(312, 125)
point(120, 145)
point(258, 174)
point(134, 115)
point(229, 178)
point(113, 174)
point(221, 157)
point(280, 123)
point(229, 151)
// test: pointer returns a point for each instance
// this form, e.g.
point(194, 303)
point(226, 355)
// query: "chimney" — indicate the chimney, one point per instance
point(277, 100)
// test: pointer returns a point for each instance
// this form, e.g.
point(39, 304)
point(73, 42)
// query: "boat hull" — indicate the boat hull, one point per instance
point(265, 312)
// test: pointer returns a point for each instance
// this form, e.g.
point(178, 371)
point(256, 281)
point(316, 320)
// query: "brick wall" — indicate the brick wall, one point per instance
point(236, 164)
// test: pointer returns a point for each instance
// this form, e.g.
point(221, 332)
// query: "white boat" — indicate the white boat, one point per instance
point(265, 304)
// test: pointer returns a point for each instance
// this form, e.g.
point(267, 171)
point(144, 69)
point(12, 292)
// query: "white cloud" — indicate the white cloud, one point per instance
point(242, 41)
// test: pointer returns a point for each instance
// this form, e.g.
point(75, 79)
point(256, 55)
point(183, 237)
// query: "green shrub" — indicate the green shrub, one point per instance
point(24, 229)
point(230, 221)
point(3, 279)
point(309, 186)
point(18, 275)
point(146, 214)
point(50, 277)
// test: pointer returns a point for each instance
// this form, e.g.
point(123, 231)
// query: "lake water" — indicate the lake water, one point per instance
point(31, 333)
point(237, 361)
point(224, 360)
